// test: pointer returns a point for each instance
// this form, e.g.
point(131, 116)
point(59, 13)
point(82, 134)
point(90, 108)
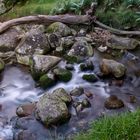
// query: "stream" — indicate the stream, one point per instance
point(18, 87)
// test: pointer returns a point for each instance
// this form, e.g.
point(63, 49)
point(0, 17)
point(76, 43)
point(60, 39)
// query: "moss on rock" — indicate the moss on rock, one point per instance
point(89, 77)
point(63, 74)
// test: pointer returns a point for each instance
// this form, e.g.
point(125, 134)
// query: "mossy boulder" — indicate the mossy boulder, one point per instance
point(62, 74)
point(109, 66)
point(33, 42)
point(52, 108)
point(87, 66)
point(2, 65)
point(47, 80)
point(41, 64)
point(71, 59)
point(113, 102)
point(59, 28)
point(90, 77)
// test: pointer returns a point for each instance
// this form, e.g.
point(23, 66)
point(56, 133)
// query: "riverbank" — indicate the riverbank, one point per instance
point(120, 127)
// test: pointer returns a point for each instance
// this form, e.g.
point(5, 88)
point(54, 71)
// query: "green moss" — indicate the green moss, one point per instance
point(71, 59)
point(63, 74)
point(45, 81)
point(89, 77)
point(86, 66)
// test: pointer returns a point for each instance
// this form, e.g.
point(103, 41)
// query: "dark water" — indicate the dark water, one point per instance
point(18, 87)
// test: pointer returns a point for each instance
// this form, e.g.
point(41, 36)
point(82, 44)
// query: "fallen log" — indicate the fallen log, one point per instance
point(45, 19)
point(67, 19)
point(116, 31)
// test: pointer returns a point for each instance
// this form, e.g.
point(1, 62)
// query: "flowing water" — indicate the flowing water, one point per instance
point(18, 87)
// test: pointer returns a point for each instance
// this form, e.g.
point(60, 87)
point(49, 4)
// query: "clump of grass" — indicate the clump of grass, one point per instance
point(120, 127)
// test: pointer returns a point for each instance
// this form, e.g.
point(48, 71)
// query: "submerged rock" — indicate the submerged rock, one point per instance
point(77, 91)
point(33, 42)
point(109, 66)
point(25, 110)
point(41, 64)
point(52, 108)
point(9, 40)
point(62, 74)
point(59, 28)
point(90, 77)
point(47, 80)
point(113, 102)
point(123, 43)
point(2, 65)
point(26, 135)
point(81, 50)
point(87, 66)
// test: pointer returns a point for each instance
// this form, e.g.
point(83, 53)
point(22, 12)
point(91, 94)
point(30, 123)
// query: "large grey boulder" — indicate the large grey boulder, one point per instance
point(123, 43)
point(33, 42)
point(109, 66)
point(9, 40)
point(52, 108)
point(41, 64)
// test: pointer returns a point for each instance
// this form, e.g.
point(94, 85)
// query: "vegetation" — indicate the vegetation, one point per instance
point(121, 14)
point(123, 127)
point(31, 7)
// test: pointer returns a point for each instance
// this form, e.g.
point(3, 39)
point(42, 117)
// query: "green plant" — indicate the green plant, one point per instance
point(119, 127)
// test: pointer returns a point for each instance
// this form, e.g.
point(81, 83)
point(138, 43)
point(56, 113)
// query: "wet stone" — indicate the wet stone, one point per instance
point(113, 102)
point(90, 78)
point(77, 91)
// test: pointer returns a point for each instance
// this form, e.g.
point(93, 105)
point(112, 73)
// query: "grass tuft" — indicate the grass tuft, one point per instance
point(120, 127)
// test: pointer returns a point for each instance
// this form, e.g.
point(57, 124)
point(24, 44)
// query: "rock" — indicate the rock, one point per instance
point(113, 102)
point(79, 108)
point(82, 32)
point(117, 82)
point(41, 64)
point(52, 108)
point(87, 66)
point(86, 103)
point(80, 105)
point(59, 28)
point(89, 94)
point(109, 66)
point(33, 42)
point(62, 74)
point(67, 42)
point(81, 50)
point(71, 59)
point(102, 48)
point(69, 67)
point(2, 65)
point(89, 77)
point(77, 91)
point(26, 135)
point(47, 80)
point(123, 43)
point(132, 99)
point(25, 110)
point(9, 40)
point(54, 40)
